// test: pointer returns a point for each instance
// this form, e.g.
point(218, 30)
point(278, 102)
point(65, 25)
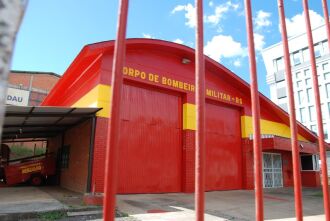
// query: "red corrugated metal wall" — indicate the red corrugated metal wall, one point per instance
point(223, 148)
point(150, 146)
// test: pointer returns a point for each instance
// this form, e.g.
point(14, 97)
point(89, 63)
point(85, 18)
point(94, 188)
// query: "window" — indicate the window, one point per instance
point(65, 156)
point(325, 130)
point(281, 92)
point(302, 115)
point(284, 106)
point(325, 66)
point(308, 81)
point(279, 64)
point(306, 54)
point(296, 58)
point(309, 95)
point(279, 76)
point(310, 162)
point(325, 47)
point(329, 108)
point(327, 88)
point(324, 111)
point(307, 73)
point(312, 114)
point(314, 128)
point(317, 50)
point(327, 76)
point(299, 84)
point(301, 97)
point(298, 75)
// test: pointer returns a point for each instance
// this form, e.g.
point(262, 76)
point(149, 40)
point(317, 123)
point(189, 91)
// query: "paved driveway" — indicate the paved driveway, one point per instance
point(221, 205)
point(26, 199)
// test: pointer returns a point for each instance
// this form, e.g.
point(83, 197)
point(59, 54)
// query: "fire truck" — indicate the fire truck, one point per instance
point(34, 170)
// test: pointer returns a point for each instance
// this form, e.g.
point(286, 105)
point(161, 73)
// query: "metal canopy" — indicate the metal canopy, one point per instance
point(41, 122)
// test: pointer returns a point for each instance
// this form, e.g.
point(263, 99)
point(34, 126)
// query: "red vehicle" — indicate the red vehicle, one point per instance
point(34, 169)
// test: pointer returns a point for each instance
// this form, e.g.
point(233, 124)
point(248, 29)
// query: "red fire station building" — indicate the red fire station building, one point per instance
point(157, 141)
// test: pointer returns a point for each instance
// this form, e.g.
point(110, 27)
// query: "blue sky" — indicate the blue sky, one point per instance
point(54, 31)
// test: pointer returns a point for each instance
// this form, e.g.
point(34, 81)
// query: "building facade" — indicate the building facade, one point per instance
point(158, 123)
point(302, 78)
point(26, 88)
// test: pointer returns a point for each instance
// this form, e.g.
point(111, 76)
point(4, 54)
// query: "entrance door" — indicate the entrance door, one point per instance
point(223, 148)
point(272, 170)
point(150, 154)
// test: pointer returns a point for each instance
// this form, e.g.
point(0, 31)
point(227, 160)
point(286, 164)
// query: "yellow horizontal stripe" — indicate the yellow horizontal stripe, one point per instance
point(189, 116)
point(267, 127)
point(99, 96)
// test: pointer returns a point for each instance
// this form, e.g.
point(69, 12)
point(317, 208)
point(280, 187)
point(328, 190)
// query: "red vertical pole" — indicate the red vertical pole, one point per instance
point(110, 183)
point(257, 148)
point(326, 20)
point(318, 114)
point(200, 105)
point(293, 122)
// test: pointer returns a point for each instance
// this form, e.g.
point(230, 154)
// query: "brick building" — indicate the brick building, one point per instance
point(26, 88)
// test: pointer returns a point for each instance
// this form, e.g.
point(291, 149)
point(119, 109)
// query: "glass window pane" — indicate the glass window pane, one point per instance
point(309, 95)
point(308, 82)
point(327, 88)
point(299, 84)
point(327, 76)
point(302, 115)
point(325, 47)
point(307, 73)
point(306, 54)
point(280, 64)
point(312, 114)
point(296, 58)
point(298, 75)
point(317, 50)
point(301, 97)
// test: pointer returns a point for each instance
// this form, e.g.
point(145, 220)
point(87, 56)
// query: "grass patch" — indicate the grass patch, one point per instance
point(318, 194)
point(52, 215)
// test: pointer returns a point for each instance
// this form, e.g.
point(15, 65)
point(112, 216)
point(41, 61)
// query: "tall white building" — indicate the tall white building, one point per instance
point(301, 75)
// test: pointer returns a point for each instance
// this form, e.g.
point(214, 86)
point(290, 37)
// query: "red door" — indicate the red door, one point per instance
point(150, 159)
point(223, 148)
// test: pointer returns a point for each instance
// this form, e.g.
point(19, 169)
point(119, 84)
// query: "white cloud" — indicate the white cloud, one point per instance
point(147, 35)
point(222, 46)
point(190, 14)
point(178, 41)
point(259, 41)
point(296, 24)
point(237, 63)
point(220, 11)
point(262, 19)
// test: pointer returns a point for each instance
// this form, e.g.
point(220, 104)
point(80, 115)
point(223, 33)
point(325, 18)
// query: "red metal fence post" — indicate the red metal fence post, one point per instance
point(257, 148)
point(293, 122)
point(200, 108)
point(111, 167)
point(326, 20)
point(318, 113)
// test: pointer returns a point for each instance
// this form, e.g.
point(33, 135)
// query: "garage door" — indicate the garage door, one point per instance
point(150, 143)
point(223, 148)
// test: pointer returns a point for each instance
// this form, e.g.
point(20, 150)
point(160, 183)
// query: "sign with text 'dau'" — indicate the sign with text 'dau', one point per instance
point(17, 97)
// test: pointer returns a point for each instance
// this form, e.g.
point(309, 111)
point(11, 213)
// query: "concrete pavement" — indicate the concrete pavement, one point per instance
point(222, 205)
point(27, 199)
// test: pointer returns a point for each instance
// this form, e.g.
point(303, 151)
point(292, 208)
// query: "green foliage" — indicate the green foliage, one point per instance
point(17, 152)
point(52, 215)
